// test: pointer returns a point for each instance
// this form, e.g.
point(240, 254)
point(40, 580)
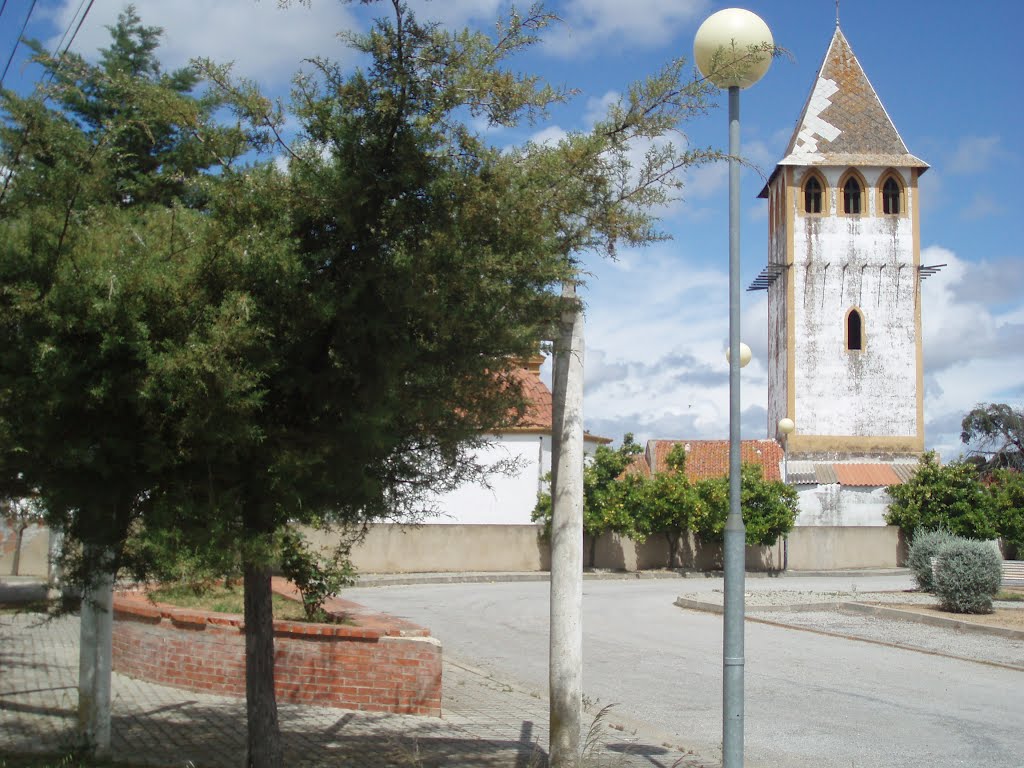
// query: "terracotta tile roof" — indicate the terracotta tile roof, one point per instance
point(538, 400)
point(865, 474)
point(537, 417)
point(874, 475)
point(844, 122)
point(710, 458)
point(638, 467)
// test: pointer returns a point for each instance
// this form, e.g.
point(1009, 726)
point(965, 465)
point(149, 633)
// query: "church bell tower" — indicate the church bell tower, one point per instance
point(843, 275)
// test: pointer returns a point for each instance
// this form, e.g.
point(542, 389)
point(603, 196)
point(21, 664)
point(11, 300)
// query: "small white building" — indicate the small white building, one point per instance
point(509, 499)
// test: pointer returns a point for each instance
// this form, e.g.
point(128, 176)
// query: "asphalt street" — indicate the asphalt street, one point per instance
point(811, 700)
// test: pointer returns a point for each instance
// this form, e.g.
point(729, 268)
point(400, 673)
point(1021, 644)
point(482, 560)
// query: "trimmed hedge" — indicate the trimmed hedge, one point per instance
point(924, 546)
point(967, 576)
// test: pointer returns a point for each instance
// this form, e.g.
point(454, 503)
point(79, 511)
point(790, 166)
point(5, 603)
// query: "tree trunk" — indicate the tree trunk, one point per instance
point(566, 627)
point(18, 538)
point(264, 741)
point(593, 548)
point(673, 548)
point(94, 654)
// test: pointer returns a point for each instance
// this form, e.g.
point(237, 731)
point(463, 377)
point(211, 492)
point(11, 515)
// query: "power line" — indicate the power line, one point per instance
point(56, 51)
point(18, 41)
point(81, 21)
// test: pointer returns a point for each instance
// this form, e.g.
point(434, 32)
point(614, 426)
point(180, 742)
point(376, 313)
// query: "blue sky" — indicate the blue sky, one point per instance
point(948, 74)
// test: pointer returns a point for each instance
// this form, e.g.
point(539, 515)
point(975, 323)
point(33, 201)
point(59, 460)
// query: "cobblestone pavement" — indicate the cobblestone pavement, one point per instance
point(485, 722)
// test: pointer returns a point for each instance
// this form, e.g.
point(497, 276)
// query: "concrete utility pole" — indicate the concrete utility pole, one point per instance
point(565, 669)
point(94, 659)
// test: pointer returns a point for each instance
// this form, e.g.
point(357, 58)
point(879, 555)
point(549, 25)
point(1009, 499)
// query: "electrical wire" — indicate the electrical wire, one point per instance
point(17, 42)
point(57, 51)
point(81, 21)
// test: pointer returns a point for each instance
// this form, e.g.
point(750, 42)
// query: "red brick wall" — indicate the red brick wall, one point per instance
point(352, 667)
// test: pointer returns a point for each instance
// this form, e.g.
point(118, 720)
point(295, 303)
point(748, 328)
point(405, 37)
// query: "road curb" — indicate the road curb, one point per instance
point(871, 609)
point(865, 608)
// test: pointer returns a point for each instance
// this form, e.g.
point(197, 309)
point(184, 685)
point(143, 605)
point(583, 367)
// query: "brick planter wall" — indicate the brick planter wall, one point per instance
point(381, 664)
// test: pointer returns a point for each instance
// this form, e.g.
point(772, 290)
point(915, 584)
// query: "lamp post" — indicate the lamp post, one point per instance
point(733, 49)
point(784, 427)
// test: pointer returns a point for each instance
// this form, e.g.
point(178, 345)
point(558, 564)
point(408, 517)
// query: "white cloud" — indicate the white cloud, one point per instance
point(972, 353)
point(265, 42)
point(592, 25)
point(456, 13)
point(974, 154)
point(549, 136)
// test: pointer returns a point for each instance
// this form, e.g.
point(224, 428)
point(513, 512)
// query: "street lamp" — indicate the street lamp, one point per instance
point(785, 426)
point(733, 49)
point(745, 355)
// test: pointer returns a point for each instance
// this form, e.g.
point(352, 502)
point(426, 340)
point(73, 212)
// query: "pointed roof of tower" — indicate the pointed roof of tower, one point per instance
point(843, 121)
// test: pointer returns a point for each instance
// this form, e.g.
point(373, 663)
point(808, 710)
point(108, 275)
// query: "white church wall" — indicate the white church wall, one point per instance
point(864, 262)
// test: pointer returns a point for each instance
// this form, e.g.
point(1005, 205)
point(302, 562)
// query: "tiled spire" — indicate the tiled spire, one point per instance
point(843, 121)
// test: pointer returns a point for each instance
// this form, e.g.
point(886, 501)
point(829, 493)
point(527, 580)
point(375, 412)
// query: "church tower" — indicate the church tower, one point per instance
point(843, 275)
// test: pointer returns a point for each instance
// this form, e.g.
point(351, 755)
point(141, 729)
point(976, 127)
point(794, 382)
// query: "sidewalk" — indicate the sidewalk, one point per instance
point(485, 722)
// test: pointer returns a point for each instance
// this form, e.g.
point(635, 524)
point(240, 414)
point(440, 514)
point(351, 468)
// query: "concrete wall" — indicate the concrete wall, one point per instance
point(34, 549)
point(832, 548)
point(447, 547)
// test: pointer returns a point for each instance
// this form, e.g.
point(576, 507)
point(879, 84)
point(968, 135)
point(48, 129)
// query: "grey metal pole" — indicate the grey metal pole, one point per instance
point(735, 533)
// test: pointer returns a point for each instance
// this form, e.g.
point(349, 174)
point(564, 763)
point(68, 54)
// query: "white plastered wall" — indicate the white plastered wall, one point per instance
point(864, 262)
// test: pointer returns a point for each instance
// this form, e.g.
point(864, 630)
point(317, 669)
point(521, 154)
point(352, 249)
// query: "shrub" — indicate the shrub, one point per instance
point(967, 576)
point(317, 577)
point(925, 546)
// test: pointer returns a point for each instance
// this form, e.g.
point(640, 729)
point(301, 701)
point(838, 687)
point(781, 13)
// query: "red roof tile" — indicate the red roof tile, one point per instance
point(866, 474)
point(710, 458)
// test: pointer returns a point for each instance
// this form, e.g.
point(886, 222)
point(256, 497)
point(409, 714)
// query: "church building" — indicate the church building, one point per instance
point(844, 304)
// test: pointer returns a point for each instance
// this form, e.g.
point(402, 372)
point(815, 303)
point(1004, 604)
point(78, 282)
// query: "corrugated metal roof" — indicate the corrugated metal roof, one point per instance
point(904, 471)
point(871, 475)
point(801, 473)
point(825, 474)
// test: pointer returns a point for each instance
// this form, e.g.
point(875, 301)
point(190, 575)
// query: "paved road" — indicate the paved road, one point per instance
point(811, 701)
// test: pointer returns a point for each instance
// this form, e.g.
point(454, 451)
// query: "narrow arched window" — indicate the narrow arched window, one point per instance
point(812, 196)
point(851, 196)
point(854, 331)
point(891, 197)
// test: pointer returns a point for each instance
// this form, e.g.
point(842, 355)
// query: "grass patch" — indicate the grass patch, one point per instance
point(221, 599)
point(230, 599)
point(1009, 595)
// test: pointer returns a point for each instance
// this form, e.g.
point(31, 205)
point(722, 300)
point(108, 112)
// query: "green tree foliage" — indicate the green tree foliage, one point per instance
point(603, 511)
point(995, 432)
point(101, 225)
point(665, 504)
point(769, 507)
point(205, 358)
point(1007, 489)
point(943, 496)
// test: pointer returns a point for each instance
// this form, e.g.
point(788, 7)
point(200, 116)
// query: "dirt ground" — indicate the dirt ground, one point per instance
point(1011, 618)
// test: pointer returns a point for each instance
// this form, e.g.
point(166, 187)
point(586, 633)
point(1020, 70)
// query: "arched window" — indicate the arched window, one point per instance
point(891, 197)
point(852, 196)
point(854, 331)
point(812, 195)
